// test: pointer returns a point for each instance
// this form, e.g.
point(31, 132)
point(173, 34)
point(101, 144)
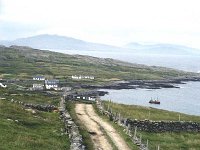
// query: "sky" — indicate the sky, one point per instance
point(115, 22)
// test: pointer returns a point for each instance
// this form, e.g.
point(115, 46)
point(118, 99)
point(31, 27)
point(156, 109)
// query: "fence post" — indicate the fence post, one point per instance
point(149, 115)
point(135, 132)
point(140, 138)
point(108, 108)
point(119, 120)
point(127, 129)
point(158, 147)
point(111, 111)
point(147, 145)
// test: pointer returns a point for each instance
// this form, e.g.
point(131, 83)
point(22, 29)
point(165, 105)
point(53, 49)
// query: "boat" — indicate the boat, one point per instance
point(154, 101)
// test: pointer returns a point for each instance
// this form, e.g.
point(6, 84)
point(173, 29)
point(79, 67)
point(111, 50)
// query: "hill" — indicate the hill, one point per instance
point(23, 129)
point(62, 43)
point(56, 42)
point(25, 62)
point(162, 49)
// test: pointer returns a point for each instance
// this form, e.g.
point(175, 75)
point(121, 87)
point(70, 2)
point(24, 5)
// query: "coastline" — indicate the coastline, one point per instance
point(143, 84)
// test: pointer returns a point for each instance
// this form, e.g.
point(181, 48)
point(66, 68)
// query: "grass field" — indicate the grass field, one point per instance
point(141, 113)
point(167, 140)
point(43, 130)
point(24, 130)
point(23, 64)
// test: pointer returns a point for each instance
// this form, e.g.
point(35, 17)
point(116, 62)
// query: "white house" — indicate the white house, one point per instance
point(40, 78)
point(2, 85)
point(38, 87)
point(76, 77)
point(82, 77)
point(91, 98)
point(51, 84)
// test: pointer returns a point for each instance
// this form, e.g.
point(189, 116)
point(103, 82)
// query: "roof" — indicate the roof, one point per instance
point(38, 77)
point(51, 82)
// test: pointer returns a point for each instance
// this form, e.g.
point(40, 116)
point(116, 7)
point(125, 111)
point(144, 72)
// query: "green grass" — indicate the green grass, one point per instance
point(173, 141)
point(141, 113)
point(34, 97)
point(32, 131)
point(40, 131)
point(167, 140)
point(23, 64)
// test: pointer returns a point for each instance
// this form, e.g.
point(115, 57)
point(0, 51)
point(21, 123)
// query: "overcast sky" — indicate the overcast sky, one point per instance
point(115, 22)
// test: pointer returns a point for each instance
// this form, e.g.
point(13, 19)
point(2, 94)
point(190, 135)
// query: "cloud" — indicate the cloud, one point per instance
point(13, 30)
point(100, 20)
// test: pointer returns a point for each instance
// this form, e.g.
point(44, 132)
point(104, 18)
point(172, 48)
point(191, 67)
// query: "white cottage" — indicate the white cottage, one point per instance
point(82, 77)
point(2, 85)
point(51, 84)
point(39, 78)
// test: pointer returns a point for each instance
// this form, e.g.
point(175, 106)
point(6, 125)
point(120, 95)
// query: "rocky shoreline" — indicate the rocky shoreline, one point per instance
point(93, 90)
point(143, 84)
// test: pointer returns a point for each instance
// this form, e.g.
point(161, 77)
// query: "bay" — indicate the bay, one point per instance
point(185, 99)
point(181, 62)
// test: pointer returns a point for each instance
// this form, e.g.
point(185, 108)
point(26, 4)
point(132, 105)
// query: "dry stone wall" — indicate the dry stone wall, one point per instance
point(163, 126)
point(70, 128)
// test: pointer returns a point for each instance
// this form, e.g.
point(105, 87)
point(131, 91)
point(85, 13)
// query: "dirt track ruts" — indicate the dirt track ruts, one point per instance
point(96, 126)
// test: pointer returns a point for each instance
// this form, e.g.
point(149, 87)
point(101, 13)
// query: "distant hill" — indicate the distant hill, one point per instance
point(61, 43)
point(162, 49)
point(56, 42)
point(25, 62)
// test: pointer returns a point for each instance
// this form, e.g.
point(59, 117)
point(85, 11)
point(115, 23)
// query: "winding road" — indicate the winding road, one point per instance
point(97, 128)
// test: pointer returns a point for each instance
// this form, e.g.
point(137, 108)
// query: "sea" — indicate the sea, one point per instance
point(185, 99)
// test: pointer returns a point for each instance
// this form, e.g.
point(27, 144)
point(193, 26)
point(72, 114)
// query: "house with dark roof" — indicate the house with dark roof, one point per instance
point(3, 85)
point(39, 78)
point(51, 84)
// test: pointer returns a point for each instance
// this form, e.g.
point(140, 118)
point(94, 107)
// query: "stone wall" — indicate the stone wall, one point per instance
point(70, 128)
point(153, 126)
point(122, 122)
point(163, 126)
point(47, 108)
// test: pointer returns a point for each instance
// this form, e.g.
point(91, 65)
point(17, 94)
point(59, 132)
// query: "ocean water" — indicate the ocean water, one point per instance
point(181, 62)
point(185, 99)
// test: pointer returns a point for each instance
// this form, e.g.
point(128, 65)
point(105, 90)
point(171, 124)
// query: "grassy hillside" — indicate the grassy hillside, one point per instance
point(142, 112)
point(23, 62)
point(21, 129)
point(167, 140)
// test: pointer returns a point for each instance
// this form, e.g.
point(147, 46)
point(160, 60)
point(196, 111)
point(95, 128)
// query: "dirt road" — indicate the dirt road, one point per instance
point(97, 126)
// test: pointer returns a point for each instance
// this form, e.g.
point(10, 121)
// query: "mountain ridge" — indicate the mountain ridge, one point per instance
point(162, 48)
point(62, 43)
point(46, 41)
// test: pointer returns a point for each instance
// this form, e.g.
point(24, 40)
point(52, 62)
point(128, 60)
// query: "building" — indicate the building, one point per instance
point(38, 87)
point(51, 84)
point(82, 77)
point(65, 89)
point(39, 78)
point(2, 85)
